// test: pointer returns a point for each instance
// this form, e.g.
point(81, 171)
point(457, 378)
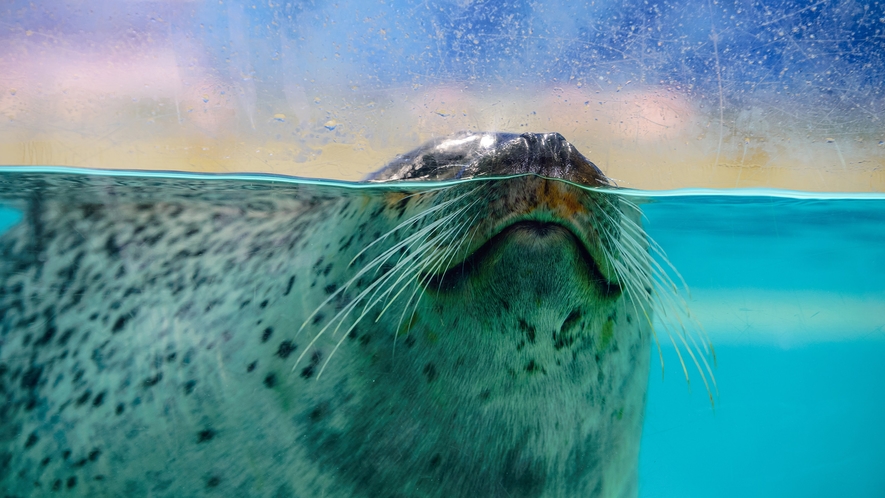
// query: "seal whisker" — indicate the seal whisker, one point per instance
point(373, 265)
point(421, 283)
point(410, 221)
point(428, 236)
point(433, 263)
point(633, 290)
point(673, 300)
point(706, 363)
point(428, 245)
point(433, 241)
point(656, 248)
point(343, 313)
point(630, 251)
point(666, 293)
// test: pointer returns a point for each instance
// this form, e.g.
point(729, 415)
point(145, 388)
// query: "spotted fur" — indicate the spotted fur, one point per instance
point(172, 337)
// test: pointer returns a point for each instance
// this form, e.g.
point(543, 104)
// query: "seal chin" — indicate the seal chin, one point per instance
point(526, 243)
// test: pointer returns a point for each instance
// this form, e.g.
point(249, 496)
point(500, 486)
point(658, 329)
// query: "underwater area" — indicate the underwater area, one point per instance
point(787, 285)
point(751, 134)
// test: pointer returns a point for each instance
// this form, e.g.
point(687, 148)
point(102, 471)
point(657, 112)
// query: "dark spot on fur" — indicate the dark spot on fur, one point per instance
point(430, 372)
point(266, 334)
point(319, 412)
point(205, 435)
point(318, 318)
point(270, 380)
point(213, 482)
point(94, 454)
point(435, 461)
point(84, 397)
point(111, 247)
point(329, 289)
point(31, 377)
point(484, 395)
point(56, 485)
point(99, 399)
point(307, 372)
point(189, 386)
point(32, 440)
point(72, 481)
point(152, 381)
point(45, 461)
point(66, 454)
point(120, 408)
point(47, 335)
point(263, 304)
point(529, 330)
point(570, 321)
point(286, 348)
point(90, 210)
point(289, 285)
point(152, 240)
point(252, 366)
point(121, 322)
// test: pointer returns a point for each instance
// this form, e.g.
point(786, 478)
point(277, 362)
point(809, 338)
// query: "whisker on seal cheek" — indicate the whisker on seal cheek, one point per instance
point(428, 239)
point(638, 266)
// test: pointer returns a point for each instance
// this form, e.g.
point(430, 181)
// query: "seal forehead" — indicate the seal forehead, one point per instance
point(470, 155)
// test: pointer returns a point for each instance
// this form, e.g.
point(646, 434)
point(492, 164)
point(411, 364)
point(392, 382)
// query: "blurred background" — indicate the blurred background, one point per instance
point(660, 94)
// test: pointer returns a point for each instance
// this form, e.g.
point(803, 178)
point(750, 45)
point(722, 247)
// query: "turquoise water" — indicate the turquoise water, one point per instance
point(792, 293)
point(791, 289)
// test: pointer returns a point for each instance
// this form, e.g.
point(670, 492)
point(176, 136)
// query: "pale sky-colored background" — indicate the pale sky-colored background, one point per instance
point(337, 90)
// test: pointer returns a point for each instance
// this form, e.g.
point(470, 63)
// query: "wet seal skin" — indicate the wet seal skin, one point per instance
point(184, 337)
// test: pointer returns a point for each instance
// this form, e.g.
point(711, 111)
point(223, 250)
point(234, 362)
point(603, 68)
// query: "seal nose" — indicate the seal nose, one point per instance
point(469, 155)
point(544, 154)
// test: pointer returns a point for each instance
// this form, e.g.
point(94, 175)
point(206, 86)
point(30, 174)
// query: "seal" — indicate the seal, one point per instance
point(474, 321)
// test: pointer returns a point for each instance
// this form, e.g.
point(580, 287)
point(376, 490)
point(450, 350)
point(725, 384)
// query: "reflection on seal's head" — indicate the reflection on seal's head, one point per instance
point(474, 155)
point(419, 337)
